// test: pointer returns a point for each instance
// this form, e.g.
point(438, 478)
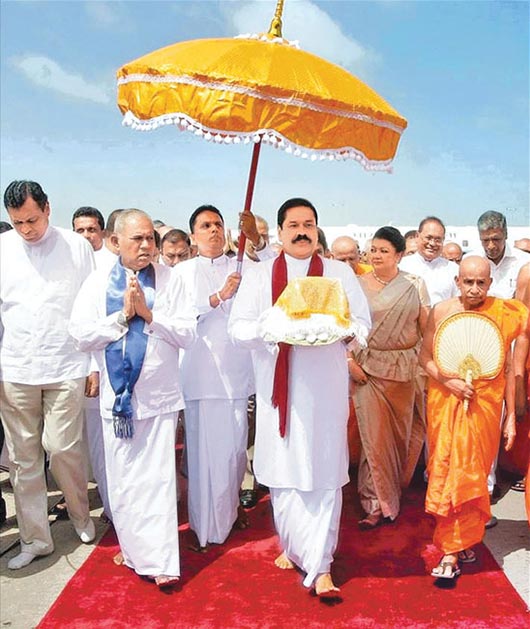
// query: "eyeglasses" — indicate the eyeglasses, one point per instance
point(435, 239)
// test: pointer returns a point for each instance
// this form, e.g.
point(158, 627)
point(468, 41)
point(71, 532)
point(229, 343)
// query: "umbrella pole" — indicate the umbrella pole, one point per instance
point(248, 200)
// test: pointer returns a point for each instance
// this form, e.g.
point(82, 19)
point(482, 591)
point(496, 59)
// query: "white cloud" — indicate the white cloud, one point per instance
point(307, 23)
point(47, 73)
point(103, 13)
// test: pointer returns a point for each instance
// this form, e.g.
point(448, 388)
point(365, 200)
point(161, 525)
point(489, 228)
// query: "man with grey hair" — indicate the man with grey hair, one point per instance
point(505, 261)
point(43, 375)
point(505, 264)
point(135, 320)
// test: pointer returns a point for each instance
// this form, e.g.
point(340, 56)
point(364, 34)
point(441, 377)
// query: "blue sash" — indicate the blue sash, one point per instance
point(124, 365)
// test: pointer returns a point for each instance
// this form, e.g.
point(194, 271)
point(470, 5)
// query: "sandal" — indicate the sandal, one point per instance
point(446, 570)
point(467, 556)
point(519, 485)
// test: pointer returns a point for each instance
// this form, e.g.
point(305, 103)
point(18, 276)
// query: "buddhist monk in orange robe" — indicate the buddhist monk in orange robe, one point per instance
point(462, 444)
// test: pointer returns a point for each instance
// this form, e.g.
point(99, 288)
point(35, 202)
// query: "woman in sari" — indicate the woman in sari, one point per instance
point(384, 374)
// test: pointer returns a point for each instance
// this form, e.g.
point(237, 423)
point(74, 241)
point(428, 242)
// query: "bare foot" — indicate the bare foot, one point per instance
point(283, 562)
point(324, 586)
point(163, 581)
point(118, 559)
point(242, 521)
point(195, 545)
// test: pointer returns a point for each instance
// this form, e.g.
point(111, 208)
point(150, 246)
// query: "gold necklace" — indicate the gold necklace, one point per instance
point(383, 282)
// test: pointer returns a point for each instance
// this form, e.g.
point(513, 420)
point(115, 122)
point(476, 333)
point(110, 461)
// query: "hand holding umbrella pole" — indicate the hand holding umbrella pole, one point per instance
point(248, 201)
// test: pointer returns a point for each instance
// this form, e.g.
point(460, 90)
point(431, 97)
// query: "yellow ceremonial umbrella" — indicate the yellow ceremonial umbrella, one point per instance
point(261, 89)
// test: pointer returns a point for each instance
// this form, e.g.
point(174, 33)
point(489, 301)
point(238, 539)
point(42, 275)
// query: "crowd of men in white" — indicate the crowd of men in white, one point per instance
point(96, 334)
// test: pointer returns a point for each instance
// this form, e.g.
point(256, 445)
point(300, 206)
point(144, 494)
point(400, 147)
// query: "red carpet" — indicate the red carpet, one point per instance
point(383, 575)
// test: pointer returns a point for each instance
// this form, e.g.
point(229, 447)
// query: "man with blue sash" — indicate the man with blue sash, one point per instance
point(135, 319)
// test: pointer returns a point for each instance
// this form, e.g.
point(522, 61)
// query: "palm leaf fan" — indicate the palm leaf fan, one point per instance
point(470, 346)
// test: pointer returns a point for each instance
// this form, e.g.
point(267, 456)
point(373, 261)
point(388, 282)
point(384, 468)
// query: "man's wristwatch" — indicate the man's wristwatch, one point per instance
point(122, 319)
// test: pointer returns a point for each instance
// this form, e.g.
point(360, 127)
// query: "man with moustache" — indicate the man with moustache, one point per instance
point(301, 445)
point(505, 261)
point(135, 320)
point(462, 444)
point(175, 247)
point(43, 375)
point(217, 381)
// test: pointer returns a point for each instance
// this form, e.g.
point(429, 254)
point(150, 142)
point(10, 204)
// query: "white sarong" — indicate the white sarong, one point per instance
point(216, 443)
point(141, 477)
point(96, 450)
point(308, 526)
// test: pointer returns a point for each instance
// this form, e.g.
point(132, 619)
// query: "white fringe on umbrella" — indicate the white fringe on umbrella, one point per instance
point(268, 136)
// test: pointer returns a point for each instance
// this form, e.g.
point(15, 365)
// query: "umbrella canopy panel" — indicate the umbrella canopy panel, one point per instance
point(245, 88)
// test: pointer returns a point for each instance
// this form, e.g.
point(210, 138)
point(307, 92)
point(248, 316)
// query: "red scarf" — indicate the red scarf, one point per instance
point(280, 392)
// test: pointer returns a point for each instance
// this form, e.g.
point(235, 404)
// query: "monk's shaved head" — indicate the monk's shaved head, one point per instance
point(474, 280)
point(475, 265)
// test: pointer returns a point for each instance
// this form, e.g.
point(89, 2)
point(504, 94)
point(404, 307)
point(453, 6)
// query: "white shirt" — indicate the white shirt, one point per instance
point(313, 454)
point(214, 368)
point(438, 274)
point(38, 284)
point(157, 390)
point(105, 258)
point(504, 274)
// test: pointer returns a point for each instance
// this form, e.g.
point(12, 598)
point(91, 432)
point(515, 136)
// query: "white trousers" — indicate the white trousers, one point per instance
point(216, 443)
point(37, 419)
point(308, 526)
point(96, 451)
point(141, 476)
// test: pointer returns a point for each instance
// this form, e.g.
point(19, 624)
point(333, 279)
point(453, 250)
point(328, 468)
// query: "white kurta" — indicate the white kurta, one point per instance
point(105, 260)
point(313, 454)
point(438, 274)
point(217, 380)
point(38, 285)
point(173, 327)
point(213, 368)
point(504, 274)
point(141, 471)
point(307, 468)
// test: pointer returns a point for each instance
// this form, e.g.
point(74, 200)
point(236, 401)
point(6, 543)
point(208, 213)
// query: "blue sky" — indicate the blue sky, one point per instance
point(458, 71)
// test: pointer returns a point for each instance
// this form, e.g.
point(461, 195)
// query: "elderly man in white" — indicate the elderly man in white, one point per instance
point(429, 264)
point(42, 374)
point(135, 320)
point(301, 449)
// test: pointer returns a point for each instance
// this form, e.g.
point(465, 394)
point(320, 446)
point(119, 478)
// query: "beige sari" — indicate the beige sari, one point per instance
point(385, 405)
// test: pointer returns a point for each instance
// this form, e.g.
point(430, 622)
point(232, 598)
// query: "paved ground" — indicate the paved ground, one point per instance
point(27, 594)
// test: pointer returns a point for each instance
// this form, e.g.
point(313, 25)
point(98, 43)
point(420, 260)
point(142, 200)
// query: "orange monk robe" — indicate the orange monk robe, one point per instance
point(463, 445)
point(527, 482)
point(362, 268)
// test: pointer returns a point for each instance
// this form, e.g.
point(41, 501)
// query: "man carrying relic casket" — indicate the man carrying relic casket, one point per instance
point(301, 449)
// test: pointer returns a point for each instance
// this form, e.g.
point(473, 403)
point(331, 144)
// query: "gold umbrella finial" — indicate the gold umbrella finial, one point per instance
point(275, 29)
